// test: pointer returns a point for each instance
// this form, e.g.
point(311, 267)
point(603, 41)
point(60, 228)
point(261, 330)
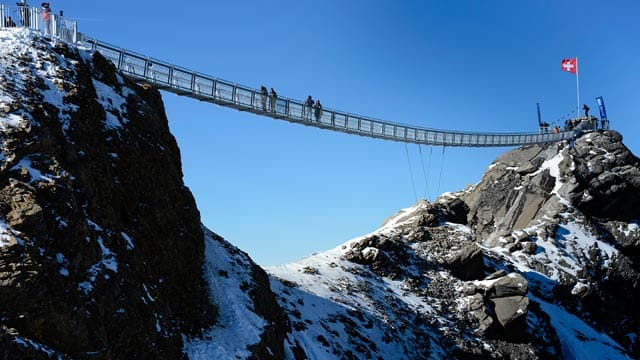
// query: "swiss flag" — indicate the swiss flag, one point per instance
point(570, 65)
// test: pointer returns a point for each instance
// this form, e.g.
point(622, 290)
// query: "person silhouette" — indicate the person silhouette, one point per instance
point(273, 99)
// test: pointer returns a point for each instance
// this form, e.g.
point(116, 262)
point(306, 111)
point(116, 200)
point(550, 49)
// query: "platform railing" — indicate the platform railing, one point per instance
point(57, 27)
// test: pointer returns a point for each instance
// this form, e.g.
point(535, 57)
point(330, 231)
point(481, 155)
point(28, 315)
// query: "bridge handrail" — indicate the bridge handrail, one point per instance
point(101, 44)
point(174, 78)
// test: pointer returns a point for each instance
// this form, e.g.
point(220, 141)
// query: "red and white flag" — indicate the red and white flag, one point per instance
point(570, 65)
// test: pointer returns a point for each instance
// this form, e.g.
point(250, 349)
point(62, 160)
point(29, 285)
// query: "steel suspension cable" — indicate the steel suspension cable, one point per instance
point(441, 166)
point(411, 172)
point(426, 179)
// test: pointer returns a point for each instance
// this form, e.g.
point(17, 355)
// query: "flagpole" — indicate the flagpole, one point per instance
point(578, 85)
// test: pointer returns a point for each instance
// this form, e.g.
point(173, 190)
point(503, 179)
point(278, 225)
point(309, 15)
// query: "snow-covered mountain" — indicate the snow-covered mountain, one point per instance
point(538, 260)
point(102, 254)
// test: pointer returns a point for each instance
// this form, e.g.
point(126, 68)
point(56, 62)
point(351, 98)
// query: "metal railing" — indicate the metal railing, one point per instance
point(189, 83)
point(57, 26)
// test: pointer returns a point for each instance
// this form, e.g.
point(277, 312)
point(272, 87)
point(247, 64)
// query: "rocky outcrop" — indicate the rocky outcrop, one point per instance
point(605, 177)
point(498, 301)
point(101, 248)
point(466, 263)
point(568, 213)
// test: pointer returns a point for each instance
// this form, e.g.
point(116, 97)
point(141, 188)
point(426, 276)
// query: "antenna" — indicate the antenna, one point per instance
point(539, 117)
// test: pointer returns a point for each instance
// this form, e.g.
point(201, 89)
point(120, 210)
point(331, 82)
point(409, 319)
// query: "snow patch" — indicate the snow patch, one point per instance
point(578, 339)
point(8, 236)
point(226, 274)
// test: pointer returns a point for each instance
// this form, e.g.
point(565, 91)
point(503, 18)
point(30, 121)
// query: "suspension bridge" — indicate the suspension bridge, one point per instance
point(184, 82)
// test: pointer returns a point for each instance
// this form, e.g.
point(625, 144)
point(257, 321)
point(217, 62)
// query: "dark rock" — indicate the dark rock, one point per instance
point(457, 211)
point(495, 275)
point(479, 311)
point(511, 310)
point(467, 263)
point(511, 247)
point(529, 247)
point(109, 255)
point(512, 284)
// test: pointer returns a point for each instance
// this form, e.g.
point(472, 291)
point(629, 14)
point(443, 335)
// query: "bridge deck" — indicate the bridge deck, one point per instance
point(181, 81)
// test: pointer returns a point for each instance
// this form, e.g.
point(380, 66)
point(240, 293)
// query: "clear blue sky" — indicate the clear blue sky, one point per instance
point(280, 191)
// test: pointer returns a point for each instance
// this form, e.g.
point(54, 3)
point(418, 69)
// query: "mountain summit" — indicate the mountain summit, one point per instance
point(538, 260)
point(103, 255)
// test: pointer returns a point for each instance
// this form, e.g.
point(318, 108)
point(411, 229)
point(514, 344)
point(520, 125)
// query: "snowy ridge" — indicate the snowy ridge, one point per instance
point(342, 309)
point(227, 270)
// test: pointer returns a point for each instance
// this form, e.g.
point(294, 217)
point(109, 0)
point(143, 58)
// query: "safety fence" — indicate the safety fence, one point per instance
point(53, 25)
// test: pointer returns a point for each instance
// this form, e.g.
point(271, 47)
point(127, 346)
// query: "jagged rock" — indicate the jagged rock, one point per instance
point(382, 254)
point(512, 284)
point(529, 247)
point(107, 255)
point(510, 310)
point(511, 247)
point(479, 311)
point(467, 263)
point(607, 182)
point(498, 274)
point(527, 168)
point(457, 211)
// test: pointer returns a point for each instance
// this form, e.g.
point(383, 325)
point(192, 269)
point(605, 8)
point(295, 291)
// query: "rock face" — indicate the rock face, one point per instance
point(101, 248)
point(522, 265)
point(102, 254)
point(570, 214)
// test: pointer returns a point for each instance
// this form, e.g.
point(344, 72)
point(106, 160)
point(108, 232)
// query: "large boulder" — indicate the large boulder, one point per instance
point(466, 263)
point(510, 310)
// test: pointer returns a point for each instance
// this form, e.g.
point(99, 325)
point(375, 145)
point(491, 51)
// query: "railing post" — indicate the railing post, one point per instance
point(2, 15)
point(170, 81)
point(54, 25)
point(213, 88)
point(193, 82)
point(146, 68)
point(120, 59)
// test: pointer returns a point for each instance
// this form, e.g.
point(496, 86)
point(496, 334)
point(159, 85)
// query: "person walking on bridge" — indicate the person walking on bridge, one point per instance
point(45, 13)
point(308, 104)
point(318, 110)
point(273, 99)
point(25, 14)
point(586, 111)
point(263, 97)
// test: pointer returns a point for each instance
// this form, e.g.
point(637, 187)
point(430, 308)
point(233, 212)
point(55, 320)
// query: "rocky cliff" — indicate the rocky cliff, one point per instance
point(101, 248)
point(538, 260)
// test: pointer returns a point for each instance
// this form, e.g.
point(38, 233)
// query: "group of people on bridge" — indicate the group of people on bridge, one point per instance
point(310, 106)
point(273, 99)
point(315, 107)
